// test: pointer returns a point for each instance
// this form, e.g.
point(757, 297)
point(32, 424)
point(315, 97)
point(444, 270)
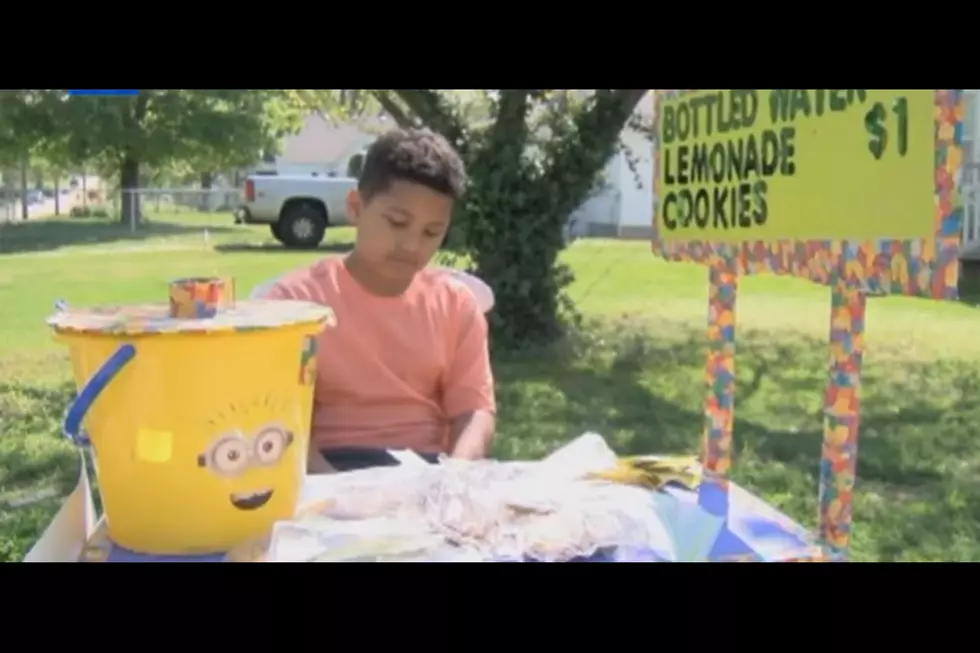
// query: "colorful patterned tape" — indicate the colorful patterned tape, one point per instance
point(842, 409)
point(924, 268)
point(251, 315)
point(719, 409)
point(227, 293)
point(195, 299)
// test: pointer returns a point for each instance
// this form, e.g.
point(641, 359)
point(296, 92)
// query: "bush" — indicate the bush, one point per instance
point(89, 211)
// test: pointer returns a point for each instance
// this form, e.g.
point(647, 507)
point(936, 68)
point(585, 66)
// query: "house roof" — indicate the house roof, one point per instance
point(321, 142)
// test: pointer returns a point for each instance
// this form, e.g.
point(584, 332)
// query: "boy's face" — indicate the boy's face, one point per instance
point(400, 229)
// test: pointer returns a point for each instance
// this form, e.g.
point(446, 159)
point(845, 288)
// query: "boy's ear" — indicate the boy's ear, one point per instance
point(354, 205)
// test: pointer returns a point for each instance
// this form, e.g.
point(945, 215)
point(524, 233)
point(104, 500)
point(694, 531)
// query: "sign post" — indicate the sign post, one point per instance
point(851, 188)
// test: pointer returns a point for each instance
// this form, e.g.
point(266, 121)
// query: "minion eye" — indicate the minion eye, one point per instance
point(270, 445)
point(230, 455)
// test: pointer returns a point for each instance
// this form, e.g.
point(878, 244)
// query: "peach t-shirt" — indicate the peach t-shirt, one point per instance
point(394, 371)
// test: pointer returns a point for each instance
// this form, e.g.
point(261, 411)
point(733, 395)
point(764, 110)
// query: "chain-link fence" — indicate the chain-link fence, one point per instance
point(40, 204)
point(205, 213)
point(174, 201)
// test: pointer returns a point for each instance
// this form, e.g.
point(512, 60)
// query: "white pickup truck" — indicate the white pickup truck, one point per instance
point(297, 207)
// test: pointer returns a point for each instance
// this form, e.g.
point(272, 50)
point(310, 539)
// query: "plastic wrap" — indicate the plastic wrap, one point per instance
point(503, 510)
point(372, 493)
point(526, 512)
point(369, 540)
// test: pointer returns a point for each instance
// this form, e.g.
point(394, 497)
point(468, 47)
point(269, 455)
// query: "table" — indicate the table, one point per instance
point(744, 528)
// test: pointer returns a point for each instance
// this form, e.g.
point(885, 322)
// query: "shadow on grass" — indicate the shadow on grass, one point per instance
point(276, 248)
point(653, 391)
point(49, 234)
point(969, 287)
point(919, 456)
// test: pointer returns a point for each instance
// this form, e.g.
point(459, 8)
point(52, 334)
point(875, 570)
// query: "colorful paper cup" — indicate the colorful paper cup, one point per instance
point(227, 299)
point(196, 298)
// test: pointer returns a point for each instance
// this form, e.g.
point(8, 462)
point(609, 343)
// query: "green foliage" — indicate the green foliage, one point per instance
point(89, 211)
point(24, 119)
point(333, 105)
point(212, 128)
point(536, 158)
point(176, 130)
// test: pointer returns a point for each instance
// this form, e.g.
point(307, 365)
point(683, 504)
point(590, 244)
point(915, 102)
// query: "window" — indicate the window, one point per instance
point(971, 129)
point(970, 125)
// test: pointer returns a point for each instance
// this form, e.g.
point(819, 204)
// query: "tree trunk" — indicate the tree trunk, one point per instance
point(207, 181)
point(57, 193)
point(129, 174)
point(401, 118)
point(25, 212)
point(129, 183)
point(515, 227)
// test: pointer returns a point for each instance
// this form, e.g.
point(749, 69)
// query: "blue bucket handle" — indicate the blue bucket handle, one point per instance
point(72, 427)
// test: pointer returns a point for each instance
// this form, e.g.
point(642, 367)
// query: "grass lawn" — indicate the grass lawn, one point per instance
point(636, 375)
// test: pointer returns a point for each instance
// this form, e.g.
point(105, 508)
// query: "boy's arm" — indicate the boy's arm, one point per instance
point(468, 396)
point(472, 434)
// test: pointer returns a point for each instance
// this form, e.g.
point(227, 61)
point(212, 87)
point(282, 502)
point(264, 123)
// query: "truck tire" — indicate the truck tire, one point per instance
point(301, 226)
point(276, 233)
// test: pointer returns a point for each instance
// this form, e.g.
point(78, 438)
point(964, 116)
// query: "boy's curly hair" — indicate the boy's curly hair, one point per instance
point(419, 156)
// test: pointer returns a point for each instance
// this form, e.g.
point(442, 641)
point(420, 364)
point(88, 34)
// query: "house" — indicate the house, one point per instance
point(970, 181)
point(322, 146)
point(624, 207)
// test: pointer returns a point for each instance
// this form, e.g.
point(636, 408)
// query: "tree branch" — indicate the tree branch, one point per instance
point(511, 120)
point(598, 130)
point(391, 107)
point(616, 105)
point(434, 113)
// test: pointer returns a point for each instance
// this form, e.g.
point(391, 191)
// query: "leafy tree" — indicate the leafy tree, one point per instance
point(211, 128)
point(278, 116)
point(24, 126)
point(534, 157)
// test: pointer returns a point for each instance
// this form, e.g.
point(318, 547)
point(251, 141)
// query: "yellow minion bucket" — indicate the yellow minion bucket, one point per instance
point(199, 426)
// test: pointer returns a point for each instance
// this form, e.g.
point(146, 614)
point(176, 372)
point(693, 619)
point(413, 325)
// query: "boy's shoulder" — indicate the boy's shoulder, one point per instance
point(439, 287)
point(307, 282)
point(445, 285)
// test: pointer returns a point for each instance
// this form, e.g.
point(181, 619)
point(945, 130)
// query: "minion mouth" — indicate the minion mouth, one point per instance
point(250, 500)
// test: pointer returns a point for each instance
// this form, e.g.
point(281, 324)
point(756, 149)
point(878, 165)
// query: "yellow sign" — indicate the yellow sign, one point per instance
point(751, 165)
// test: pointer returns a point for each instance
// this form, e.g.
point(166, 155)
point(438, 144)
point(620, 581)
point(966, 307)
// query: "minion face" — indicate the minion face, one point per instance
point(235, 456)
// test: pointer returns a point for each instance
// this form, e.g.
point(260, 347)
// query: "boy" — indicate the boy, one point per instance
point(407, 365)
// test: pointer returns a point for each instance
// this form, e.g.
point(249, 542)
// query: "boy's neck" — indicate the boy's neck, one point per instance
point(371, 282)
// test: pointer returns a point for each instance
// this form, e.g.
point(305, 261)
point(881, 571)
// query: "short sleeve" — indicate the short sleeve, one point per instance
point(298, 284)
point(279, 290)
point(468, 384)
